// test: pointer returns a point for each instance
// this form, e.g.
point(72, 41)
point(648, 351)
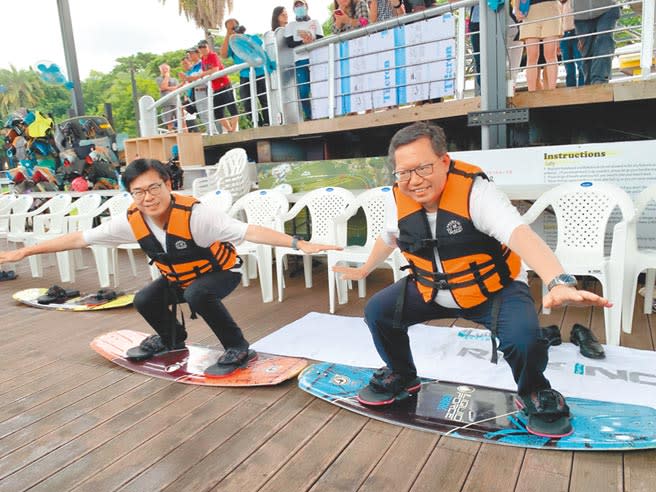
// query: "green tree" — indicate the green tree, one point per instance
point(119, 95)
point(23, 88)
point(207, 14)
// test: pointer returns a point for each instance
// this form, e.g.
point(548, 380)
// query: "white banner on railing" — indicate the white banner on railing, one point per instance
point(410, 63)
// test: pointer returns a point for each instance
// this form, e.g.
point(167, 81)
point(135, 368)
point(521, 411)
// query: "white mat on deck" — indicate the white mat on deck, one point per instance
point(463, 355)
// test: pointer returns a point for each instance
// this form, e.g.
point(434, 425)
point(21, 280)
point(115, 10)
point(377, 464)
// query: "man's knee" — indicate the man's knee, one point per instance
point(142, 301)
point(194, 294)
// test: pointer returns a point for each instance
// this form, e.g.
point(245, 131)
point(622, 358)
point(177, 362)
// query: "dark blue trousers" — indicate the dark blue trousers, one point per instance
point(204, 297)
point(518, 330)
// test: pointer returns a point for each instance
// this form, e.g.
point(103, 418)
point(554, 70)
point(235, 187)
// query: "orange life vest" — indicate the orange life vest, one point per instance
point(474, 265)
point(183, 260)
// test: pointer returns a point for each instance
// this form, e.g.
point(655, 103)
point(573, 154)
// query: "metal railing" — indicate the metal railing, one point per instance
point(347, 73)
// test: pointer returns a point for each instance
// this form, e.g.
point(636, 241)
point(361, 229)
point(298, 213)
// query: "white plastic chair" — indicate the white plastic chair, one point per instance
point(19, 205)
point(105, 264)
point(76, 218)
point(582, 213)
point(231, 174)
point(638, 260)
point(220, 199)
point(261, 207)
point(323, 204)
point(48, 221)
point(374, 203)
point(6, 202)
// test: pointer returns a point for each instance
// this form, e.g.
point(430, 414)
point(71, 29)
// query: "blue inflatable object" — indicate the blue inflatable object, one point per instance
point(252, 53)
point(52, 74)
point(495, 4)
point(524, 6)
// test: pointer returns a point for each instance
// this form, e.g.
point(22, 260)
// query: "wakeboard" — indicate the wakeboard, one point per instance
point(486, 414)
point(82, 302)
point(188, 365)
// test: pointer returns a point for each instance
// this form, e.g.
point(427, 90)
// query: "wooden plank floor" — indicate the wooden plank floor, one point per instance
point(70, 420)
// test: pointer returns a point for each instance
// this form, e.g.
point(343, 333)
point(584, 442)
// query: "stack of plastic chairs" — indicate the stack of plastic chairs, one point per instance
point(231, 174)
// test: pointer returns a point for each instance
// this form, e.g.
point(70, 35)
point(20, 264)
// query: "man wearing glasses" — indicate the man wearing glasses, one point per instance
point(465, 243)
point(191, 244)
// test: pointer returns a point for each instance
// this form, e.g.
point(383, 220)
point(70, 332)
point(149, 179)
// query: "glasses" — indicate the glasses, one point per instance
point(154, 190)
point(405, 175)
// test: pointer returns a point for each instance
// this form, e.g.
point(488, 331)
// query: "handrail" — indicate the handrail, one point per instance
point(384, 25)
point(204, 80)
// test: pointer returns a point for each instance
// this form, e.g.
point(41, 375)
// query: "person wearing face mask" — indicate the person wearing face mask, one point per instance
point(302, 31)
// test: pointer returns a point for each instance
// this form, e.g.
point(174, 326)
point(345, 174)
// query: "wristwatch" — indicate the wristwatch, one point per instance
point(295, 240)
point(562, 279)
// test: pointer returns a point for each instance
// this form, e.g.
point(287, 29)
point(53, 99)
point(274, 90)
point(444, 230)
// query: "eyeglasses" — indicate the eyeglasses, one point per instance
point(405, 175)
point(154, 190)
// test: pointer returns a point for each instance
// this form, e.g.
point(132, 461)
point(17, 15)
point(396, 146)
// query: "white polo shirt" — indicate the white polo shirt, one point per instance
point(207, 225)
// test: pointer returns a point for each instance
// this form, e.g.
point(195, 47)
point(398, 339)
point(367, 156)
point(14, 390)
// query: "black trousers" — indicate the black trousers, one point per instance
point(517, 325)
point(204, 297)
point(245, 96)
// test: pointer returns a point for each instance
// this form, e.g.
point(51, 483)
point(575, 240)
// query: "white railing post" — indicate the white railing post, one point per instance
point(647, 47)
point(460, 54)
point(148, 119)
point(331, 81)
point(179, 114)
point(252, 81)
point(210, 109)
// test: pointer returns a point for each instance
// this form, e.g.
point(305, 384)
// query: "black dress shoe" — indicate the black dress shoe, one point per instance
point(552, 334)
point(587, 342)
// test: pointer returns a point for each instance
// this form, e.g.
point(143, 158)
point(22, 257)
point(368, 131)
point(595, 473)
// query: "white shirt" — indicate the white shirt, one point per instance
point(207, 225)
point(292, 30)
point(491, 213)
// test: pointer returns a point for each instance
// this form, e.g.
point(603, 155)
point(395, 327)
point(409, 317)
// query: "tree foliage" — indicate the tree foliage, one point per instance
point(207, 14)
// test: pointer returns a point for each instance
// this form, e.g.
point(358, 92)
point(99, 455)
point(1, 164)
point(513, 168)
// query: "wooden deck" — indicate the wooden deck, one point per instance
point(70, 420)
point(633, 90)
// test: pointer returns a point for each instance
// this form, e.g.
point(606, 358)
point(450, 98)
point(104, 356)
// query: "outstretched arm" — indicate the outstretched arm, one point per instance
point(74, 240)
point(264, 235)
point(539, 257)
point(378, 254)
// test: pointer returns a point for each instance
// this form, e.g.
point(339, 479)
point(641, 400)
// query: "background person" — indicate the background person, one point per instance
point(200, 99)
point(167, 84)
point(224, 98)
point(541, 26)
point(233, 27)
point(302, 31)
point(382, 10)
point(570, 54)
point(349, 14)
point(596, 42)
point(279, 18)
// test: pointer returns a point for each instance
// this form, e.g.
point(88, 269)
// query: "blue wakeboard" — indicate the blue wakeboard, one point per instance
point(486, 414)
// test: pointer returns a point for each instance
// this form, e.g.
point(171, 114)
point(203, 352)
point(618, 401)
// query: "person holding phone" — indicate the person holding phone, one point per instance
point(349, 14)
